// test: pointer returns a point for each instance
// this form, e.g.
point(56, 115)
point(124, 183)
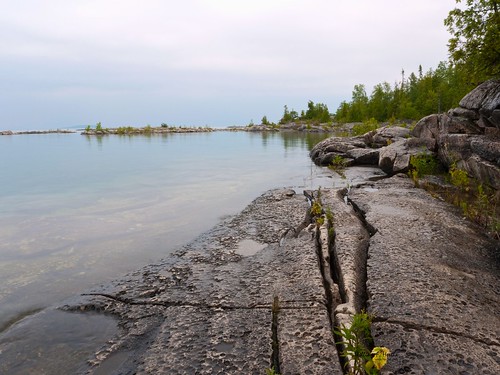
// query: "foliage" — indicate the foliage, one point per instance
point(88, 128)
point(338, 164)
point(423, 164)
point(356, 340)
point(264, 121)
point(316, 112)
point(479, 203)
point(98, 127)
point(475, 42)
point(364, 127)
point(411, 99)
point(288, 116)
point(271, 371)
point(316, 208)
point(459, 178)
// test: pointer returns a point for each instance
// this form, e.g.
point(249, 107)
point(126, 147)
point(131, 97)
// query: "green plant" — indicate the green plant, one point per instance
point(356, 341)
point(422, 165)
point(98, 127)
point(459, 178)
point(88, 128)
point(316, 208)
point(365, 127)
point(271, 371)
point(338, 165)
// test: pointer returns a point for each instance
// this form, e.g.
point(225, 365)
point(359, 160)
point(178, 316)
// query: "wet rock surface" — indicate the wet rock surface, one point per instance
point(240, 299)
point(265, 288)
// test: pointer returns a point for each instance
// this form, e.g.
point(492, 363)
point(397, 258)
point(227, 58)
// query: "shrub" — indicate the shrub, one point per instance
point(365, 127)
point(424, 164)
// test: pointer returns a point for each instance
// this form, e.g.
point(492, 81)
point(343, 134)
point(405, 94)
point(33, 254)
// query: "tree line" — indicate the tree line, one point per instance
point(474, 57)
point(414, 97)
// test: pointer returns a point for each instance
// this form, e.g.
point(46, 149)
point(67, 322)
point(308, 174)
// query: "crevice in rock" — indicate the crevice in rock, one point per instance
point(275, 355)
point(338, 293)
point(208, 306)
point(364, 253)
point(335, 269)
point(433, 329)
point(324, 269)
point(362, 217)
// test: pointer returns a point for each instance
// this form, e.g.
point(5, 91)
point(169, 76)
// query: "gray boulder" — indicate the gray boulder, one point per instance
point(383, 136)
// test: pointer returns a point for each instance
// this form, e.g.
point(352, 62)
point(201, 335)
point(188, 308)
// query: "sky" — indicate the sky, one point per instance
point(67, 63)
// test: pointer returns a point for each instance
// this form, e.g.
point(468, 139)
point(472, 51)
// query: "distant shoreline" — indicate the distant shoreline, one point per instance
point(14, 132)
point(149, 130)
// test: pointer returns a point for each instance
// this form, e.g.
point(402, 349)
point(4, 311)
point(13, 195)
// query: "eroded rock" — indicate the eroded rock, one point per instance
point(433, 282)
point(209, 309)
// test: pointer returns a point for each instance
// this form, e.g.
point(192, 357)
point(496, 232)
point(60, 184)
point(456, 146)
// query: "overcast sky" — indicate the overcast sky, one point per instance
point(203, 62)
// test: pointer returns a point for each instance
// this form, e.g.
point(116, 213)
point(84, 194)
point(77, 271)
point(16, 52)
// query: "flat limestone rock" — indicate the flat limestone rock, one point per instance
point(210, 308)
point(250, 294)
point(433, 282)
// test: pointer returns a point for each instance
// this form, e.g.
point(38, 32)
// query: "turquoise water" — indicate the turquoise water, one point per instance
point(76, 211)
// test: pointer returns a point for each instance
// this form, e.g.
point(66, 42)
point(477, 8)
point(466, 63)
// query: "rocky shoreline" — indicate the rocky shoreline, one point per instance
point(265, 288)
point(56, 131)
point(159, 130)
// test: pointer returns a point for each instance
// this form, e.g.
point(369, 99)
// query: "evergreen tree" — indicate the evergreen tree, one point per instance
point(475, 42)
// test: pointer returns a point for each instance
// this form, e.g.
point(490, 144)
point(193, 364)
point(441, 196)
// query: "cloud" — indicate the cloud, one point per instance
point(249, 53)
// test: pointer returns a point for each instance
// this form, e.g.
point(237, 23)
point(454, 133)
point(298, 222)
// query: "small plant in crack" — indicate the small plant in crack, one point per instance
point(271, 371)
point(338, 165)
point(356, 341)
point(317, 210)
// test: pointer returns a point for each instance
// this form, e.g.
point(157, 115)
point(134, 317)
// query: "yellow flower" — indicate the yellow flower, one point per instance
point(380, 354)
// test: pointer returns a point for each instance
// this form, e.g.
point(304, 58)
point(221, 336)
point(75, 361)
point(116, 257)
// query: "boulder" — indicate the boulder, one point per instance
point(458, 125)
point(395, 158)
point(383, 136)
point(486, 149)
point(484, 98)
point(324, 152)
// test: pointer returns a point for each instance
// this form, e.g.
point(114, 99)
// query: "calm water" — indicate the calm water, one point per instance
point(76, 211)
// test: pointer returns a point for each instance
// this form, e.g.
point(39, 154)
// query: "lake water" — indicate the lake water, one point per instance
point(76, 211)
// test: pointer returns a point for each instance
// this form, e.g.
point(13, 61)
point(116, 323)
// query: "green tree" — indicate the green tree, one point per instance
point(379, 106)
point(475, 41)
point(288, 116)
point(359, 103)
point(317, 112)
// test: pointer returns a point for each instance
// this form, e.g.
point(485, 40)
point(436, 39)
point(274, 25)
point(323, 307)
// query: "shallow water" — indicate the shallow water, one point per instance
point(31, 347)
point(77, 211)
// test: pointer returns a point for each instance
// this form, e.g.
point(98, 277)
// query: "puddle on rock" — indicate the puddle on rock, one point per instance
point(54, 342)
point(249, 247)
